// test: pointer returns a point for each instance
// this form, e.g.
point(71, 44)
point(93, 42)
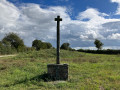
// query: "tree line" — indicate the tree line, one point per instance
point(98, 45)
point(12, 43)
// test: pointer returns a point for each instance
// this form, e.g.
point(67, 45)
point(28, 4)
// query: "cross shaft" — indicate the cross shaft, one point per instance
point(58, 19)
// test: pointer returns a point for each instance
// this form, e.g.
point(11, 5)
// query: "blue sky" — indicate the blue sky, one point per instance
point(83, 21)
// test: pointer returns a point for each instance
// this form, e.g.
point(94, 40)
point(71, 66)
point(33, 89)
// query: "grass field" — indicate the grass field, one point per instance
point(86, 71)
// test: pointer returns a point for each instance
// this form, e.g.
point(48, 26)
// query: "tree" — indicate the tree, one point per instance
point(13, 40)
point(98, 44)
point(37, 44)
point(44, 45)
point(1, 48)
point(49, 45)
point(65, 46)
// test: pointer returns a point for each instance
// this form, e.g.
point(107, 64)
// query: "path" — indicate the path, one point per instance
point(7, 55)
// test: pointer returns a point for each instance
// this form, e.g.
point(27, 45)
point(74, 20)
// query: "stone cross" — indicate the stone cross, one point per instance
point(58, 19)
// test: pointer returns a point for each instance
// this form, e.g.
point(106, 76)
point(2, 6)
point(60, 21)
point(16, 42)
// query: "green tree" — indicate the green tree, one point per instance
point(1, 48)
point(13, 40)
point(49, 45)
point(5, 48)
point(37, 44)
point(98, 44)
point(44, 45)
point(65, 46)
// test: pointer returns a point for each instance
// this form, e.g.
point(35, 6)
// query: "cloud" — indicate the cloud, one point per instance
point(93, 24)
point(118, 8)
point(114, 36)
point(117, 1)
point(91, 13)
point(31, 22)
point(9, 13)
point(8, 16)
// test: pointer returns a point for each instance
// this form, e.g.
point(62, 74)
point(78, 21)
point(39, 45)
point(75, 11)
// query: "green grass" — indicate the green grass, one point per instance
point(86, 71)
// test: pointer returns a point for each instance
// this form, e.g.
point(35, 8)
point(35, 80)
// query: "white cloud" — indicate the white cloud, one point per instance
point(91, 13)
point(118, 1)
point(114, 36)
point(9, 13)
point(31, 22)
point(118, 9)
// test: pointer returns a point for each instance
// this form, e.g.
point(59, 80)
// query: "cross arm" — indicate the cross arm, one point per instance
point(58, 18)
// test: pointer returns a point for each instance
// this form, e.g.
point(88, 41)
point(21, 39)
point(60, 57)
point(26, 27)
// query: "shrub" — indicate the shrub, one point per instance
point(65, 46)
point(13, 40)
point(38, 44)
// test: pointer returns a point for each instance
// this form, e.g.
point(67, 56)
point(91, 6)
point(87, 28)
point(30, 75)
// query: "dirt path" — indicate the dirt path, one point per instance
point(7, 55)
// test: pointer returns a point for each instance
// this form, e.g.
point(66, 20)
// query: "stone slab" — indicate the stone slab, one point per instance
point(58, 71)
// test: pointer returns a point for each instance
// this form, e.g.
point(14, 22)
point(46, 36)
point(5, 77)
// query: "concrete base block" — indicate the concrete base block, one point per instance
point(58, 71)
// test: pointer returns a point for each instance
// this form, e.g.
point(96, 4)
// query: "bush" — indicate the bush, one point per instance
point(11, 43)
point(6, 49)
point(38, 44)
point(13, 40)
point(49, 45)
point(65, 46)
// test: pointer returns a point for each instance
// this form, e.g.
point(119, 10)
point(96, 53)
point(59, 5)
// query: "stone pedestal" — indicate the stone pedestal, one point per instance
point(58, 71)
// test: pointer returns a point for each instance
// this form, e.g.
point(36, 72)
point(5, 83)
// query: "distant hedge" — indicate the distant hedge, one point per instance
point(108, 51)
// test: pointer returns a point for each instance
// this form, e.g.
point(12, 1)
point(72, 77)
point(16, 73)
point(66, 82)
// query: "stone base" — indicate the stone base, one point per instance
point(58, 71)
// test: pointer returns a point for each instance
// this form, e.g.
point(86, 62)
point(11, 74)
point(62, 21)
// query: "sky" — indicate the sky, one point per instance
point(83, 21)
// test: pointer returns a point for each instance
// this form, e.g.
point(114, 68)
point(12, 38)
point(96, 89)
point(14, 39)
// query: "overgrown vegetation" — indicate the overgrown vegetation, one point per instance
point(27, 71)
point(12, 44)
point(13, 40)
